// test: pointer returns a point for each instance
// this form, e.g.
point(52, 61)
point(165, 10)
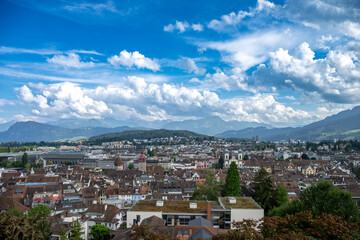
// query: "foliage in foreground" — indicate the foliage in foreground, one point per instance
point(322, 198)
point(14, 225)
point(142, 232)
point(299, 226)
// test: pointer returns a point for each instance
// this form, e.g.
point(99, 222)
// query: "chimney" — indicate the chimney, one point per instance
point(208, 212)
point(193, 205)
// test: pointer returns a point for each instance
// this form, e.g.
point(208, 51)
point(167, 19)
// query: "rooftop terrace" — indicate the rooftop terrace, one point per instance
point(201, 206)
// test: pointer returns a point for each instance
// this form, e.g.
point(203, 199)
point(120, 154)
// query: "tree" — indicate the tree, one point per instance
point(24, 159)
point(27, 167)
point(281, 196)
point(15, 212)
point(299, 226)
point(264, 190)
point(100, 232)
point(23, 227)
point(210, 190)
point(246, 157)
point(41, 211)
point(75, 232)
point(232, 182)
point(131, 166)
point(221, 162)
point(322, 198)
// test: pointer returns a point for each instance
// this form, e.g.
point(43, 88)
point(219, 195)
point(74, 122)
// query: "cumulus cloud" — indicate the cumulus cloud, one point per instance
point(234, 80)
point(62, 100)
point(183, 26)
point(139, 99)
point(134, 59)
point(70, 60)
point(233, 18)
point(335, 78)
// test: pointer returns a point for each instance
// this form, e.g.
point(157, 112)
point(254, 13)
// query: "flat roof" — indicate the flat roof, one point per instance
point(241, 202)
point(184, 206)
point(172, 206)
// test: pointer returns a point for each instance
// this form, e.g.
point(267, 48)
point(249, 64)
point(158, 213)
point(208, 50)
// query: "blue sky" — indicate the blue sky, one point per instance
point(285, 63)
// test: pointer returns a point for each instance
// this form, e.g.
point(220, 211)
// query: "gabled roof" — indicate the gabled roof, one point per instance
point(9, 202)
point(200, 234)
point(153, 221)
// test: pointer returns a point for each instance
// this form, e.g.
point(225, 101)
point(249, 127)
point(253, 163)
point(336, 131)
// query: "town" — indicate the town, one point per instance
point(176, 189)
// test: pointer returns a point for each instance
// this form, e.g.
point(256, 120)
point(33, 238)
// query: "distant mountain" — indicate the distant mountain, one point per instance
point(211, 125)
point(145, 134)
point(263, 132)
point(80, 123)
point(35, 132)
point(344, 125)
point(5, 126)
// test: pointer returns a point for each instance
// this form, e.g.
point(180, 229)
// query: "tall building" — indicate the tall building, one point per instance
point(234, 156)
point(142, 163)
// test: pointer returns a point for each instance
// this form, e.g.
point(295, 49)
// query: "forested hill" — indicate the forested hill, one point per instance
point(147, 134)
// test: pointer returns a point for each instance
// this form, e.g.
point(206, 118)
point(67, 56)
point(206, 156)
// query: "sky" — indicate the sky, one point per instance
point(284, 63)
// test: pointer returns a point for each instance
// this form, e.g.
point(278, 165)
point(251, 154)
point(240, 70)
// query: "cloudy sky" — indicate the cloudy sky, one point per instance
point(285, 63)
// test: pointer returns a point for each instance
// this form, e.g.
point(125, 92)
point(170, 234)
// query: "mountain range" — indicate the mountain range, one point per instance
point(212, 125)
point(344, 125)
point(35, 132)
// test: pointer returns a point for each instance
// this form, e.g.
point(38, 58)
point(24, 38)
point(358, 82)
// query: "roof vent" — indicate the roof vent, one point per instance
point(193, 205)
point(232, 200)
point(159, 203)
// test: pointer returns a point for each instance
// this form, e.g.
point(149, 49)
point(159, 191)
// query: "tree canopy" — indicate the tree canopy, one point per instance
point(40, 211)
point(232, 182)
point(20, 226)
point(209, 190)
point(100, 232)
point(299, 226)
point(322, 198)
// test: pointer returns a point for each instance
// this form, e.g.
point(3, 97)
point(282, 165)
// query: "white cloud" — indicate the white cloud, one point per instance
point(12, 50)
point(234, 80)
point(138, 99)
point(197, 27)
point(4, 102)
point(183, 26)
point(335, 78)
point(248, 50)
point(94, 8)
point(70, 60)
point(134, 59)
point(233, 18)
point(62, 100)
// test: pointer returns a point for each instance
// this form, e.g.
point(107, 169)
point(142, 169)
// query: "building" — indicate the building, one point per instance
point(235, 156)
point(142, 163)
point(119, 164)
point(221, 213)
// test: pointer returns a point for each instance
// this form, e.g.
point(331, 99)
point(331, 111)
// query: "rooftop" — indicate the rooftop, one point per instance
point(241, 202)
point(172, 206)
